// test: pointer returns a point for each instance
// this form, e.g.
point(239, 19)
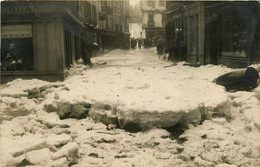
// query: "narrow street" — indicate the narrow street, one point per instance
point(129, 109)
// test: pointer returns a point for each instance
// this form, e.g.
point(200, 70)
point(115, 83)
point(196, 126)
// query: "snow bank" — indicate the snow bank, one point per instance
point(31, 140)
point(70, 151)
point(18, 87)
point(214, 144)
point(14, 107)
point(159, 97)
point(253, 115)
point(70, 109)
point(77, 68)
point(147, 94)
point(138, 92)
point(17, 146)
point(142, 91)
point(39, 157)
point(249, 105)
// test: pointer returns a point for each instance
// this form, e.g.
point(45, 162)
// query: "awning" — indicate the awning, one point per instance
point(16, 31)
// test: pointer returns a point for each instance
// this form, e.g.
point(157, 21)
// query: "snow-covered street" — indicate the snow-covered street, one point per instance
point(130, 109)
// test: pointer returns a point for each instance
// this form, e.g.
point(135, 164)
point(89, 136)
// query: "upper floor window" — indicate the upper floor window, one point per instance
point(93, 13)
point(150, 3)
point(161, 3)
point(150, 19)
point(87, 10)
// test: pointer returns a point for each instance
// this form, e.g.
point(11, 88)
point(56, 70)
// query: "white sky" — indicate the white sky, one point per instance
point(134, 2)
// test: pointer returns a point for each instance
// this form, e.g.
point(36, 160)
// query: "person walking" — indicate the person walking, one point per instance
point(87, 53)
point(86, 56)
point(139, 44)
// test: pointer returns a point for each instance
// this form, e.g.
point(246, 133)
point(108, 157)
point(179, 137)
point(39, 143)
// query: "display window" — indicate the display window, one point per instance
point(16, 48)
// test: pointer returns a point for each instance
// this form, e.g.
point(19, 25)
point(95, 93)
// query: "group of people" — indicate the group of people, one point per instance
point(12, 59)
point(147, 43)
point(136, 42)
point(177, 50)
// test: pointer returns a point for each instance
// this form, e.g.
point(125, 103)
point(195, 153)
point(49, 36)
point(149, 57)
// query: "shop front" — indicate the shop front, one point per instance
point(36, 41)
point(154, 34)
point(185, 30)
point(17, 48)
point(231, 33)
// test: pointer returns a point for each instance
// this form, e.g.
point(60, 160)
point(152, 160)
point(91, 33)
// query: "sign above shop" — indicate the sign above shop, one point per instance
point(19, 9)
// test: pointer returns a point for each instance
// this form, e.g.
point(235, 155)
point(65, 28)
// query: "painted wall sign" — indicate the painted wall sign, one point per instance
point(19, 9)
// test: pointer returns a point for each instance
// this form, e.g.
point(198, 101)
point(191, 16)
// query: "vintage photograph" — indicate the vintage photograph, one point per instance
point(130, 83)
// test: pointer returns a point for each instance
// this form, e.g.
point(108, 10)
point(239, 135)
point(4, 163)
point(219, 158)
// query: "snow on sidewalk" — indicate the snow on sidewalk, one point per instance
point(138, 84)
point(141, 92)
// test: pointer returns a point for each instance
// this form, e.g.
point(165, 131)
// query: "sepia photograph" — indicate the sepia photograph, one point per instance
point(130, 83)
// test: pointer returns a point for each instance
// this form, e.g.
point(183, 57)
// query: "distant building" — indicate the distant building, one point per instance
point(136, 30)
point(136, 22)
point(153, 19)
point(135, 12)
point(216, 32)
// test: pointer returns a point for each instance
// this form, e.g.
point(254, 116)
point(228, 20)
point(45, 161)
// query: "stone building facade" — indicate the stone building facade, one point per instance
point(136, 21)
point(153, 19)
point(215, 32)
point(185, 22)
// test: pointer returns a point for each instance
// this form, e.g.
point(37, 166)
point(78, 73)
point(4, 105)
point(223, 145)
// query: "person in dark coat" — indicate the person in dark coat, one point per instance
point(87, 53)
point(183, 51)
point(139, 44)
point(133, 43)
point(160, 49)
point(170, 49)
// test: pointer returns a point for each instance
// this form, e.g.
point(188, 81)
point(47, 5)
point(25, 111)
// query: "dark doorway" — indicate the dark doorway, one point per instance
point(213, 42)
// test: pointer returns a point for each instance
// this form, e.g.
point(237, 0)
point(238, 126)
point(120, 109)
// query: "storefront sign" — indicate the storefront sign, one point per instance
point(18, 9)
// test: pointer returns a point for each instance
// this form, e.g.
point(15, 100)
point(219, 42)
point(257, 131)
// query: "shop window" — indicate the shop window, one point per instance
point(16, 48)
point(227, 36)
